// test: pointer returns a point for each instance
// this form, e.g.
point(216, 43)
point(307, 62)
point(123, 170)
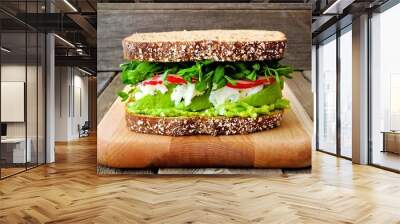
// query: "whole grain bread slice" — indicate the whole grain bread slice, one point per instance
point(182, 126)
point(217, 45)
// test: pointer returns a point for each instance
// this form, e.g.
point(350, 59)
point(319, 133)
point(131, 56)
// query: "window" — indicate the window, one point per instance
point(385, 89)
point(326, 63)
point(345, 92)
point(334, 106)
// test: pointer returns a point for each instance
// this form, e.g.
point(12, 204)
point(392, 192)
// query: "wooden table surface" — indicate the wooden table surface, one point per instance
point(287, 146)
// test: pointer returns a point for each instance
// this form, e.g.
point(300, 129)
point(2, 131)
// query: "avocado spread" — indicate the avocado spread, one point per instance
point(262, 102)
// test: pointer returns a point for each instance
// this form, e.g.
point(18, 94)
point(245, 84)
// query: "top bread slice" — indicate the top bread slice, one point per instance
point(216, 45)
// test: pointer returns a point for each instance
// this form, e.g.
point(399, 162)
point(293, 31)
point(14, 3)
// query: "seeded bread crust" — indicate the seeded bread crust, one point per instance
point(182, 126)
point(217, 45)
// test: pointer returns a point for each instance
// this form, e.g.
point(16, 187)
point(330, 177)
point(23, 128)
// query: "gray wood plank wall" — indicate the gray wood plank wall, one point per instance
point(116, 21)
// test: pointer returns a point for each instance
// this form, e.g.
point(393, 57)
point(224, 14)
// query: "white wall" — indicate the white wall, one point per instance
point(80, 110)
point(12, 101)
point(16, 73)
point(62, 81)
point(71, 102)
point(33, 127)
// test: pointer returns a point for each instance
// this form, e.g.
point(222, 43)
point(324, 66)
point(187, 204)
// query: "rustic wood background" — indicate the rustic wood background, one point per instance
point(118, 20)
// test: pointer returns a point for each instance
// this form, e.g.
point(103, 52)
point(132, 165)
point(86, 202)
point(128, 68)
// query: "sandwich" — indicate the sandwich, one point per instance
point(205, 82)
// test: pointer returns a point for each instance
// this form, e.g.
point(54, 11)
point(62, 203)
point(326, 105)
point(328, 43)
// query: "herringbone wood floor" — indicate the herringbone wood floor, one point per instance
point(70, 191)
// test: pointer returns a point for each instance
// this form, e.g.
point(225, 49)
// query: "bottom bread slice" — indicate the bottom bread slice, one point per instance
point(181, 126)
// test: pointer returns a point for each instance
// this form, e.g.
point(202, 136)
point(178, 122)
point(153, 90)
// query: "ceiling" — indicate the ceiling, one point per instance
point(74, 22)
point(202, 1)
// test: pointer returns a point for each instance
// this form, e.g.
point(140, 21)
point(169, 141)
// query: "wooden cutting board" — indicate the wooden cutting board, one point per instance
point(287, 146)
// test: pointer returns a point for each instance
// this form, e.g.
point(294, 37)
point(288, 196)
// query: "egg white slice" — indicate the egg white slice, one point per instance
point(144, 90)
point(227, 94)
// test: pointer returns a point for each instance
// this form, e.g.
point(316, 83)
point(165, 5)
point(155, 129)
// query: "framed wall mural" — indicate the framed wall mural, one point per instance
point(201, 87)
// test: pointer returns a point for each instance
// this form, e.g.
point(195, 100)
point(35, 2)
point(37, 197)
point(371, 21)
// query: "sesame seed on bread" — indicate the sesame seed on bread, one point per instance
point(217, 45)
point(182, 126)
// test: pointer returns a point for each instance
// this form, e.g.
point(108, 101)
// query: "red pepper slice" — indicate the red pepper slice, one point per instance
point(245, 84)
point(173, 79)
